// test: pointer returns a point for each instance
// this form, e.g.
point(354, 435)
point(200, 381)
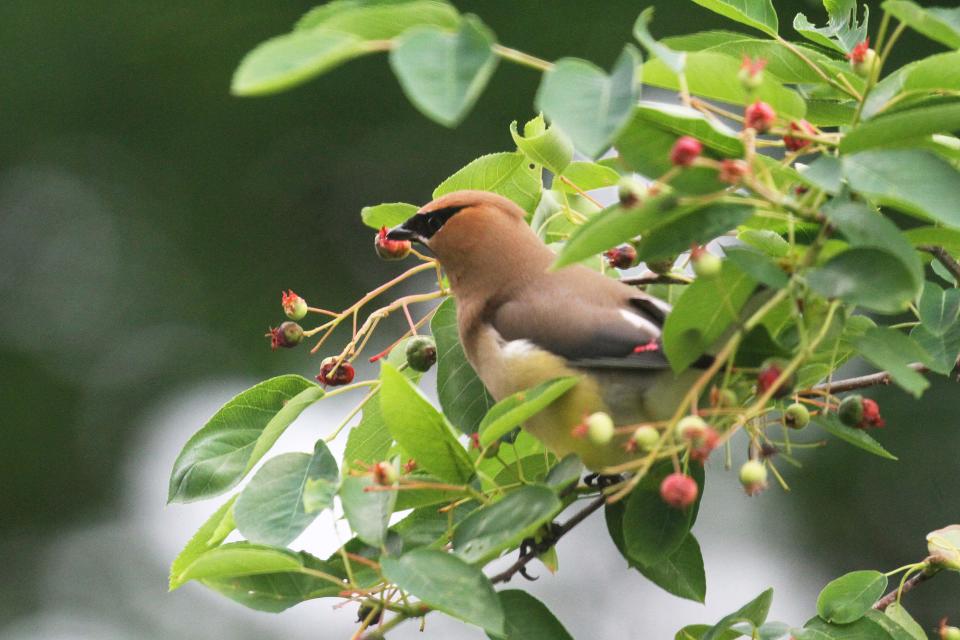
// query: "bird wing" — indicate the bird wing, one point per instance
point(586, 318)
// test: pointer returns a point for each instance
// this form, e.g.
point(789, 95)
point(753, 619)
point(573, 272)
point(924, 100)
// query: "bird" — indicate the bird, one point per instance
point(521, 323)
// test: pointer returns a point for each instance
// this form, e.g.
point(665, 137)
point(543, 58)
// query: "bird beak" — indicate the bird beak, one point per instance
point(402, 232)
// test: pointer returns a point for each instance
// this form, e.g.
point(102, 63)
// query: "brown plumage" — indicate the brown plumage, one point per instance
point(522, 324)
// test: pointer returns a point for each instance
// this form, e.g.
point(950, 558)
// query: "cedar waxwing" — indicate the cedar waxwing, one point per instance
point(521, 324)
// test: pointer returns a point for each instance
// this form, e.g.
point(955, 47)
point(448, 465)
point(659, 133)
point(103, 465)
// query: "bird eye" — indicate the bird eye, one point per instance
point(434, 223)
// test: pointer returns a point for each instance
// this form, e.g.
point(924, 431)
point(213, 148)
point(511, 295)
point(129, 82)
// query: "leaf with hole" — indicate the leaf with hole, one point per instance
point(270, 509)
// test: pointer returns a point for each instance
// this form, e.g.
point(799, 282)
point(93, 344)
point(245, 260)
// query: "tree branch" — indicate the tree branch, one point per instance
point(943, 258)
point(891, 597)
point(559, 532)
point(655, 278)
point(860, 382)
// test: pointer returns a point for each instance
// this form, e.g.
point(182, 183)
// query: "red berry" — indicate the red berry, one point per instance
point(859, 52)
point(769, 374)
point(287, 335)
point(410, 466)
point(702, 444)
point(759, 116)
point(389, 249)
point(622, 257)
point(871, 415)
point(342, 375)
point(733, 171)
point(293, 305)
point(801, 126)
point(679, 490)
point(685, 150)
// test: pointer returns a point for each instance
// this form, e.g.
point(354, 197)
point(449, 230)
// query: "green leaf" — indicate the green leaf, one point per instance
point(528, 619)
point(564, 472)
point(893, 350)
point(873, 626)
point(709, 75)
point(270, 509)
point(293, 58)
point(769, 242)
point(867, 277)
point(587, 176)
point(641, 31)
point(758, 266)
point(934, 75)
point(684, 121)
point(666, 228)
point(221, 453)
point(210, 534)
point(943, 545)
point(782, 64)
point(857, 437)
point(443, 74)
point(240, 559)
point(369, 441)
point(697, 631)
point(864, 227)
point(825, 174)
point(937, 23)
point(703, 312)
point(895, 128)
point(368, 512)
point(420, 429)
point(590, 106)
point(680, 573)
point(758, 14)
point(754, 612)
point(941, 349)
point(275, 592)
point(547, 146)
point(896, 612)
point(464, 399)
point(939, 308)
point(842, 32)
point(675, 232)
point(653, 530)
point(388, 215)
point(519, 407)
point(490, 530)
point(444, 582)
point(849, 597)
point(511, 175)
point(383, 21)
point(949, 239)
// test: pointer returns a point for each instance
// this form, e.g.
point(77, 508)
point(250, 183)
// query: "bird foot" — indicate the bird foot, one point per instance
point(599, 481)
point(533, 547)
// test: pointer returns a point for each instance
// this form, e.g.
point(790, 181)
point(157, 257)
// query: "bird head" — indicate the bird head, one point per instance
point(464, 224)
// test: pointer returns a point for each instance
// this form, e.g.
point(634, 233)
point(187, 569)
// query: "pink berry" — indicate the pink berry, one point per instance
point(801, 126)
point(759, 116)
point(685, 150)
point(679, 490)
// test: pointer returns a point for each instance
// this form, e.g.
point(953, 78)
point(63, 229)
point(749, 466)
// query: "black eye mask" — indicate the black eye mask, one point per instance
point(422, 226)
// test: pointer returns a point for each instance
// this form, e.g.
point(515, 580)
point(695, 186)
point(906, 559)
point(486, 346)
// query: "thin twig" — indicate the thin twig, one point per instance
point(860, 382)
point(944, 258)
point(894, 595)
point(559, 532)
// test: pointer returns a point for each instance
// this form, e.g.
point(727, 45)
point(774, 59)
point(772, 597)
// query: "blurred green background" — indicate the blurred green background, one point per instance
point(149, 220)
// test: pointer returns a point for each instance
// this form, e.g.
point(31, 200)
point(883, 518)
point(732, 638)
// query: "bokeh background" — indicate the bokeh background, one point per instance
point(149, 220)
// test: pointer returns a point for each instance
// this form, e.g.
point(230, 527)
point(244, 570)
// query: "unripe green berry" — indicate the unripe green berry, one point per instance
point(727, 399)
point(645, 437)
point(384, 473)
point(630, 192)
point(707, 265)
point(863, 66)
point(662, 266)
point(796, 416)
point(753, 477)
point(850, 410)
point(294, 306)
point(600, 428)
point(287, 335)
point(949, 633)
point(421, 353)
point(690, 427)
